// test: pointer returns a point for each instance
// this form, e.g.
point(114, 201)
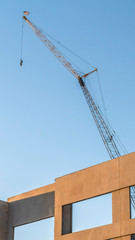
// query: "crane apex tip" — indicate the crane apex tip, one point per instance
point(24, 18)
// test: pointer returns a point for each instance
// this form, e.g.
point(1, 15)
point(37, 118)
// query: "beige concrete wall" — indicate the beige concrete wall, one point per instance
point(35, 192)
point(114, 176)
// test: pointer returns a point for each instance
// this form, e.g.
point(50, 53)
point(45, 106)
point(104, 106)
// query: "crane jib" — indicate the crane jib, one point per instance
point(103, 128)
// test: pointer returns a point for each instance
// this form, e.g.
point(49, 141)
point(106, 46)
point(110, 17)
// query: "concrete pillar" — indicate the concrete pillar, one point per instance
point(125, 204)
point(3, 220)
point(67, 219)
point(116, 206)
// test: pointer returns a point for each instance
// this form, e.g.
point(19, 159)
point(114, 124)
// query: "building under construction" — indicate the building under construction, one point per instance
point(115, 177)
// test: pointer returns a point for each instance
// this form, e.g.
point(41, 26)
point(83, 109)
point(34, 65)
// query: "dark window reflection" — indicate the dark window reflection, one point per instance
point(133, 237)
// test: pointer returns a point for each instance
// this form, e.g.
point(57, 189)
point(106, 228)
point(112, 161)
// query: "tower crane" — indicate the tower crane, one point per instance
point(102, 125)
point(104, 129)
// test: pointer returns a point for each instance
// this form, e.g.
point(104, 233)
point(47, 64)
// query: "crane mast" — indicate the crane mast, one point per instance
point(104, 129)
point(102, 126)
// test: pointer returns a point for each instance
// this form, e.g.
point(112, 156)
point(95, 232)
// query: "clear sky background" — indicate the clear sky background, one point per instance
point(46, 128)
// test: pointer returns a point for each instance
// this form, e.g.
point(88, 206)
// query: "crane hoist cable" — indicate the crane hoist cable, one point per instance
point(21, 61)
point(103, 128)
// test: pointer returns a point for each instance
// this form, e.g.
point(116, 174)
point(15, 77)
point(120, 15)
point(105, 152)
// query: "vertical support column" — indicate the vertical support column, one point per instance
point(125, 204)
point(58, 222)
point(121, 210)
point(10, 233)
point(121, 205)
point(116, 206)
point(67, 219)
point(3, 220)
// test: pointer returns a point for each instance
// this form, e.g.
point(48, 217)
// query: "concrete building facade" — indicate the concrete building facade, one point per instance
point(115, 176)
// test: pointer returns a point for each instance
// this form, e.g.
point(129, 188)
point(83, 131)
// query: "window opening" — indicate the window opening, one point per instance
point(92, 213)
point(40, 230)
point(133, 237)
point(132, 202)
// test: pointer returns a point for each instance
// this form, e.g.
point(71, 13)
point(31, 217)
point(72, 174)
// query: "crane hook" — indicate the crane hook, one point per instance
point(21, 62)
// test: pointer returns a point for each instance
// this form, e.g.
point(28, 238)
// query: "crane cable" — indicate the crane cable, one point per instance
point(86, 62)
point(117, 139)
point(119, 142)
point(68, 49)
point(61, 44)
point(101, 92)
point(21, 61)
point(71, 51)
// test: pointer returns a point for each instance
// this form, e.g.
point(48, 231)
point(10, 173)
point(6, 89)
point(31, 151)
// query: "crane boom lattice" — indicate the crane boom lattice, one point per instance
point(52, 48)
point(101, 124)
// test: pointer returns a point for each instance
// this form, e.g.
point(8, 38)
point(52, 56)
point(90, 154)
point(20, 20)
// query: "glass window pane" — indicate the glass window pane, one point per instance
point(92, 213)
point(40, 230)
point(132, 201)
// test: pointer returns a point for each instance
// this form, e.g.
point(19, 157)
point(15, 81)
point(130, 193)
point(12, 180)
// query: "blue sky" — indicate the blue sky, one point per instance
point(46, 127)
